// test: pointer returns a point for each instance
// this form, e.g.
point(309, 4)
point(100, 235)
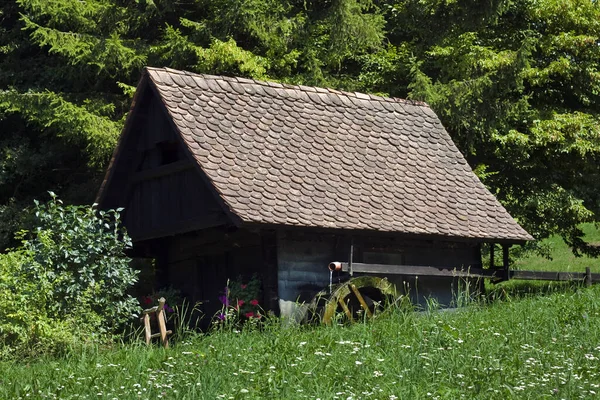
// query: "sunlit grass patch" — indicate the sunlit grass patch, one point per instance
point(562, 259)
point(545, 347)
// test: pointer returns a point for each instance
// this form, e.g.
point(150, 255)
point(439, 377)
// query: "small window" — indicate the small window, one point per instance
point(169, 152)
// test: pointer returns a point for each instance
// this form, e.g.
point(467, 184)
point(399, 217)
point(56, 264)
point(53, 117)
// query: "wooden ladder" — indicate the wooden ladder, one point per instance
point(159, 311)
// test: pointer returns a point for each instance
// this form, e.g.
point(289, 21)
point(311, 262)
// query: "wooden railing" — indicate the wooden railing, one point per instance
point(495, 274)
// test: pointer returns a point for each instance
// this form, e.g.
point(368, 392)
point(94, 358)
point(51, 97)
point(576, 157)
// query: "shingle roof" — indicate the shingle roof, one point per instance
point(306, 156)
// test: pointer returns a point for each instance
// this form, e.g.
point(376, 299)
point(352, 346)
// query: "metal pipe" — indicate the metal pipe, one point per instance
point(335, 266)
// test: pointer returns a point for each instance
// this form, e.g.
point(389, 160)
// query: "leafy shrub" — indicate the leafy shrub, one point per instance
point(67, 282)
point(81, 252)
point(25, 327)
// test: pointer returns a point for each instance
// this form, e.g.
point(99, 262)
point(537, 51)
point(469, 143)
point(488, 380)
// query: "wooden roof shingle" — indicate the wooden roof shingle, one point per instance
point(306, 156)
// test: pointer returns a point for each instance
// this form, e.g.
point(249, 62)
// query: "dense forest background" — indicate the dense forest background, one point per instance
point(516, 83)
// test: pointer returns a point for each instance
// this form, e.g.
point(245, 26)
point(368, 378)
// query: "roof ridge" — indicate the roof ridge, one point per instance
point(361, 98)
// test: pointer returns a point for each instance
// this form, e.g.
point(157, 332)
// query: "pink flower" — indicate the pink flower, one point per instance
point(240, 303)
point(254, 302)
point(249, 314)
point(243, 286)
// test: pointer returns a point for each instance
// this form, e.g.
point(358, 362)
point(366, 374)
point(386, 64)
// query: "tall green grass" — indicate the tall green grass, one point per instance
point(535, 348)
point(517, 346)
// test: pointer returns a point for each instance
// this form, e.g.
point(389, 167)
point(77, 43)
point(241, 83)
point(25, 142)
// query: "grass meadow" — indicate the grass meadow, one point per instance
point(533, 348)
point(562, 259)
point(526, 347)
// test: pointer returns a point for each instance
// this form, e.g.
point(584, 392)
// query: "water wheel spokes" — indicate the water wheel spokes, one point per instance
point(358, 298)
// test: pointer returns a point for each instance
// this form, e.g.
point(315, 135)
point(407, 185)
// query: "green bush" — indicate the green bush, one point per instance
point(81, 252)
point(67, 282)
point(25, 326)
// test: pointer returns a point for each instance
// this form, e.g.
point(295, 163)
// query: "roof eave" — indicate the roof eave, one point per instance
point(371, 232)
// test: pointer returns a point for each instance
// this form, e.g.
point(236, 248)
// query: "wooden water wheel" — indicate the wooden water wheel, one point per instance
point(354, 300)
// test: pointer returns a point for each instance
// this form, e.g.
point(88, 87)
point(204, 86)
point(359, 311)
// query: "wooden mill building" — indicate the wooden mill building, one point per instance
point(222, 177)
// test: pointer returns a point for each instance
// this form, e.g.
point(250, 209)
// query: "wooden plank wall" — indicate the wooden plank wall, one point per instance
point(170, 204)
point(164, 193)
point(303, 258)
point(302, 270)
point(199, 264)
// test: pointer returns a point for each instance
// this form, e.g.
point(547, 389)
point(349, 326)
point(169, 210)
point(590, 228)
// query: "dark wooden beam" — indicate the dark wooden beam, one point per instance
point(161, 171)
point(351, 257)
point(211, 221)
point(505, 258)
point(270, 279)
point(380, 234)
point(418, 270)
point(494, 274)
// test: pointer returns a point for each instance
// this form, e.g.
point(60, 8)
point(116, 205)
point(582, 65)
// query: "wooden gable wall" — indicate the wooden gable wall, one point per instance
point(164, 192)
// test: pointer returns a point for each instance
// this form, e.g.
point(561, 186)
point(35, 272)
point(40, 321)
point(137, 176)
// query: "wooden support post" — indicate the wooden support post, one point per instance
point(271, 277)
point(505, 259)
point(588, 277)
point(345, 308)
point(147, 329)
point(351, 256)
point(420, 270)
point(162, 322)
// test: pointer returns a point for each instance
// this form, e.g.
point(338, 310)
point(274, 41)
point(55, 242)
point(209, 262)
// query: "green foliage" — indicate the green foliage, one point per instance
point(353, 29)
point(28, 327)
point(85, 126)
point(21, 320)
point(81, 252)
point(516, 88)
point(68, 282)
point(517, 84)
point(71, 29)
point(559, 257)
